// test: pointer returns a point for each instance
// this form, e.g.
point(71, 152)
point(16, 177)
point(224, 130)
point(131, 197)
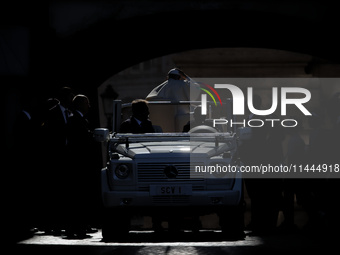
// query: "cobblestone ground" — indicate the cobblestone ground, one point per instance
point(205, 242)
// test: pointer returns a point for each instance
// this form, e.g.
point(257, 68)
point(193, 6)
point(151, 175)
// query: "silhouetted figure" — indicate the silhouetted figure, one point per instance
point(175, 88)
point(318, 153)
point(296, 155)
point(263, 148)
point(57, 117)
point(333, 208)
point(139, 121)
point(198, 120)
point(25, 176)
point(275, 157)
point(325, 145)
point(55, 157)
point(82, 176)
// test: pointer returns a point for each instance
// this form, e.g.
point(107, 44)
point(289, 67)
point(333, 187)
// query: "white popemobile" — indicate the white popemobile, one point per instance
point(169, 175)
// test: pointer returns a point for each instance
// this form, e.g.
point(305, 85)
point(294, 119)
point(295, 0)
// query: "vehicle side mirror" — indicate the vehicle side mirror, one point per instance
point(244, 133)
point(101, 134)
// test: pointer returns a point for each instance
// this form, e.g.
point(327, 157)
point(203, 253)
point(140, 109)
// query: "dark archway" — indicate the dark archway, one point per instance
point(86, 57)
point(110, 46)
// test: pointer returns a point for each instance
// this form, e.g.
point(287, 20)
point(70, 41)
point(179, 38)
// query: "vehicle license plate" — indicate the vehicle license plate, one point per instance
point(170, 190)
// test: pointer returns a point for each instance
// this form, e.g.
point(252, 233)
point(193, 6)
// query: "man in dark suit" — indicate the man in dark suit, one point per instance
point(139, 121)
point(264, 147)
point(55, 156)
point(25, 136)
point(198, 120)
point(79, 133)
point(57, 118)
point(81, 181)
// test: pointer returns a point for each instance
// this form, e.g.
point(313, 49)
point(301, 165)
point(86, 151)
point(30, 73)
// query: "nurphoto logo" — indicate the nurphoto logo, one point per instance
point(238, 104)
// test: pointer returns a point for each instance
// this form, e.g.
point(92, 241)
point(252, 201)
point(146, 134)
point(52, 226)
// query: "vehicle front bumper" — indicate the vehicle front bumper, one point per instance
point(213, 198)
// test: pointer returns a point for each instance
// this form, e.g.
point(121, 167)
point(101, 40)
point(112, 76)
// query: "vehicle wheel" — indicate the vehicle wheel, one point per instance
point(116, 225)
point(231, 220)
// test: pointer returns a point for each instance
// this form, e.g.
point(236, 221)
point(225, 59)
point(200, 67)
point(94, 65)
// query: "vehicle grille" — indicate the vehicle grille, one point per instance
point(154, 172)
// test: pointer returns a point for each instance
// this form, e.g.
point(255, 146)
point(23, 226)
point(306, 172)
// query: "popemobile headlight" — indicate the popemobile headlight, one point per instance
point(122, 171)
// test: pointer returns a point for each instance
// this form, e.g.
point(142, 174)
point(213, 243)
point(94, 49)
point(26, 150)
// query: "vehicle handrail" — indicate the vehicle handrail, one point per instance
point(169, 102)
point(158, 137)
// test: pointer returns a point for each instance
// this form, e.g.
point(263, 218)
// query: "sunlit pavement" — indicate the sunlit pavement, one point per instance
point(147, 242)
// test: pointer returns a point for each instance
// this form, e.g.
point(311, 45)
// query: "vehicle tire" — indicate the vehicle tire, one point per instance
point(231, 220)
point(116, 225)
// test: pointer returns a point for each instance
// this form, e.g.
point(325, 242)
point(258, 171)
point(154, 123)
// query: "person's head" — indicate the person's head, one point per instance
point(294, 130)
point(81, 103)
point(176, 74)
point(317, 119)
point(333, 108)
point(65, 96)
point(257, 101)
point(198, 114)
point(50, 103)
point(140, 109)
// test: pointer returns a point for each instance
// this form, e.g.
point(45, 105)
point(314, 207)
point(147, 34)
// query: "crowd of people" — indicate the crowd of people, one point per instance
point(269, 196)
point(59, 182)
point(58, 147)
point(318, 197)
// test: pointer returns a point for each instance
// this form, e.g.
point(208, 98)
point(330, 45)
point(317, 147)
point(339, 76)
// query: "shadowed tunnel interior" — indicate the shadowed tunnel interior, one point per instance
point(93, 49)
